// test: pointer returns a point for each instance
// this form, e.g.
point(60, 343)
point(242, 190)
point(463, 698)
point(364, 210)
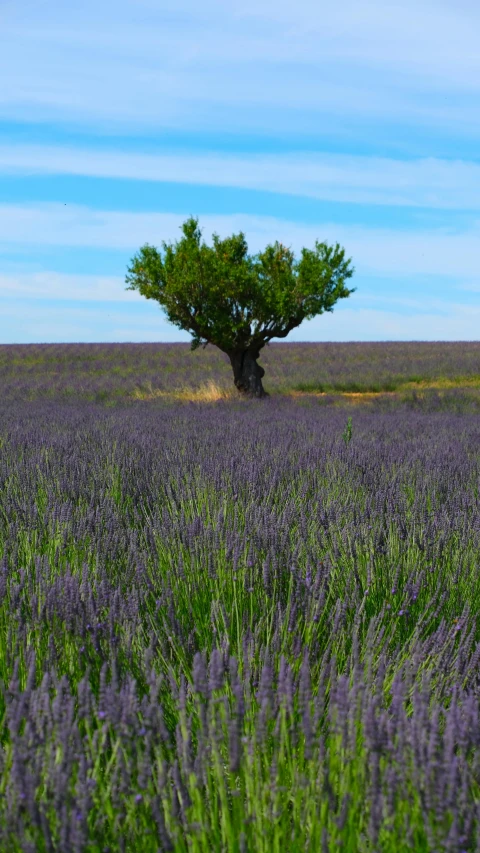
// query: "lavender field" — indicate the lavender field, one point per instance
point(240, 626)
point(113, 372)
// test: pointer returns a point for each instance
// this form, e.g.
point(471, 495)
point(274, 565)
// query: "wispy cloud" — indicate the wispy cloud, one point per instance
point(54, 285)
point(62, 323)
point(432, 39)
point(427, 182)
point(459, 323)
point(250, 65)
point(373, 250)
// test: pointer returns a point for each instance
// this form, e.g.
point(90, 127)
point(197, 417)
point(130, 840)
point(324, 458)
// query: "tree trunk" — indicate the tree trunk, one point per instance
point(247, 374)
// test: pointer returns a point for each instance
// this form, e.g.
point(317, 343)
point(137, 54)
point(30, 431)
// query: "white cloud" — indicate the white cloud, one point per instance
point(64, 324)
point(459, 323)
point(54, 285)
point(373, 250)
point(427, 182)
point(220, 65)
point(396, 300)
point(431, 38)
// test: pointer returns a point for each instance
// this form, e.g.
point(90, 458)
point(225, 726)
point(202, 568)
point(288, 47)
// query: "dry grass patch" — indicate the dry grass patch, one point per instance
point(207, 392)
point(444, 382)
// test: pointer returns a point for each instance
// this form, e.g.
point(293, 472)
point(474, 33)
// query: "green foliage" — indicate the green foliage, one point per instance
point(228, 298)
point(347, 433)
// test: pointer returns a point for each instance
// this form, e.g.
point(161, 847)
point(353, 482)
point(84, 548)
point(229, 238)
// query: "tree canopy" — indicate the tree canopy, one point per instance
point(236, 301)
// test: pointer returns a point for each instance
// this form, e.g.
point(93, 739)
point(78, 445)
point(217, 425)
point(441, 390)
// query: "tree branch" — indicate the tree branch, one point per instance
point(282, 332)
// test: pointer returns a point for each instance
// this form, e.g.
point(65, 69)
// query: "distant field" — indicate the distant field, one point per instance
point(111, 372)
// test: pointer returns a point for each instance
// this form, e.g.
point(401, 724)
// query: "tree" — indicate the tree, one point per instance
point(238, 302)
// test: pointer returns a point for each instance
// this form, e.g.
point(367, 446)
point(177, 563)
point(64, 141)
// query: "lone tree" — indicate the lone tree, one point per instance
point(238, 302)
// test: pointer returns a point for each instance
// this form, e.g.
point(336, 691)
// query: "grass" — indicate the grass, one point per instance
point(206, 392)
point(388, 386)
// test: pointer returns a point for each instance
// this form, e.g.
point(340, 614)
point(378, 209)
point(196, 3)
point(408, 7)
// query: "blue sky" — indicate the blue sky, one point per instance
point(352, 122)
